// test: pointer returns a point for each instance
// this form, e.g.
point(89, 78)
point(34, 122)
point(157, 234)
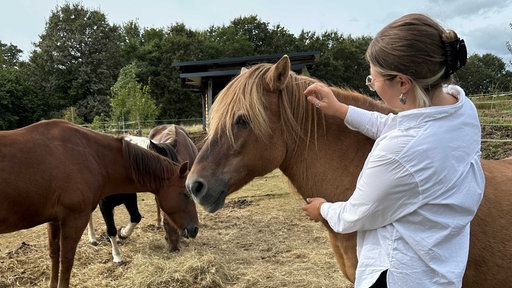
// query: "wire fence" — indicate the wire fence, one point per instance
point(141, 127)
point(495, 112)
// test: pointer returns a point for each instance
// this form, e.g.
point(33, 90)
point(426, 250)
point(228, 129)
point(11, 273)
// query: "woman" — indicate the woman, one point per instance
point(422, 182)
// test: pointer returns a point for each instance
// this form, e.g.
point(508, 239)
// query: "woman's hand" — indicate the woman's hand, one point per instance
point(323, 98)
point(312, 209)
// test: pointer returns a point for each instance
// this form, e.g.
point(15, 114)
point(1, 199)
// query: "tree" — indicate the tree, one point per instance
point(160, 49)
point(131, 100)
point(9, 55)
point(483, 74)
point(78, 60)
point(19, 102)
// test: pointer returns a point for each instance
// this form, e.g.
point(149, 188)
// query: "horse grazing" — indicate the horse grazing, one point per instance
point(262, 121)
point(186, 150)
point(56, 172)
point(129, 200)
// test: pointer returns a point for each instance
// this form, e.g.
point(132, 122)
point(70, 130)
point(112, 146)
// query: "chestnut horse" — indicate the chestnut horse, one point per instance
point(56, 172)
point(129, 200)
point(186, 150)
point(261, 121)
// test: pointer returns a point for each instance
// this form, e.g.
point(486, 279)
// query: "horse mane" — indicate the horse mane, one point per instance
point(170, 149)
point(147, 167)
point(246, 94)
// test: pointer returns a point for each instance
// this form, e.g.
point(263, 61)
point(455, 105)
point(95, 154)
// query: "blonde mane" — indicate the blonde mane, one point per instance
point(246, 94)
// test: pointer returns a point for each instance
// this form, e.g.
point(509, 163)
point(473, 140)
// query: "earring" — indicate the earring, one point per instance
point(403, 99)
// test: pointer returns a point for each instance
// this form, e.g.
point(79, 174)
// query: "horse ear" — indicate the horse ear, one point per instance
point(243, 70)
point(279, 73)
point(158, 148)
point(183, 169)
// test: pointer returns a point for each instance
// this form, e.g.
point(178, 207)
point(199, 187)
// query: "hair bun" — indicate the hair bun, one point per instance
point(456, 55)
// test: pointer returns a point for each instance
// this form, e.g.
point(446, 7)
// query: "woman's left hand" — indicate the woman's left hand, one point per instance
point(312, 208)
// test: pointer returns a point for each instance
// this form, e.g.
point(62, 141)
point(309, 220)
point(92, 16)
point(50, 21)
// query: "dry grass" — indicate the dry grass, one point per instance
point(260, 239)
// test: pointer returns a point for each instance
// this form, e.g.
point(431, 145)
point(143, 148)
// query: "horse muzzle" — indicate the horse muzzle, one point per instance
point(210, 197)
point(190, 231)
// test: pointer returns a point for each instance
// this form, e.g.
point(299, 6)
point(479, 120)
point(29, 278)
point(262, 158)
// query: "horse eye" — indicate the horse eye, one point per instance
point(242, 121)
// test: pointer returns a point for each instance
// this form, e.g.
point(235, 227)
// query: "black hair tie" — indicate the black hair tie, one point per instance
point(456, 55)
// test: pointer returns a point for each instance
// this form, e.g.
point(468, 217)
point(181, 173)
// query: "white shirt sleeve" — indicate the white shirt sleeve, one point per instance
point(369, 123)
point(385, 191)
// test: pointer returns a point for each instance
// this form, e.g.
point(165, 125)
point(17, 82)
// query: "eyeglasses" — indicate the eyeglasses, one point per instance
point(370, 82)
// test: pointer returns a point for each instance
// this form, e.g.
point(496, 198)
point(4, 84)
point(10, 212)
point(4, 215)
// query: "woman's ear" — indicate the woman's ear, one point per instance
point(405, 83)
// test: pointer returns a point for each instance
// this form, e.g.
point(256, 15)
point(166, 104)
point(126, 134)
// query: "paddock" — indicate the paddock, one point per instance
point(279, 247)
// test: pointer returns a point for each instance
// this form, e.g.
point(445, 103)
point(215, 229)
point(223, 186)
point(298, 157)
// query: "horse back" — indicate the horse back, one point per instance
point(46, 169)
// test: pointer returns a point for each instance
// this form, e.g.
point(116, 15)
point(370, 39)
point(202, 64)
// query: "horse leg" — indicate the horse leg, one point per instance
point(135, 217)
point(107, 211)
point(54, 249)
point(116, 252)
point(172, 235)
point(72, 229)
point(344, 252)
point(158, 216)
point(91, 234)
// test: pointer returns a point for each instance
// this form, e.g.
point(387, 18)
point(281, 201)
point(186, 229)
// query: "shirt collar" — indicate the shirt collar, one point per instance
point(420, 115)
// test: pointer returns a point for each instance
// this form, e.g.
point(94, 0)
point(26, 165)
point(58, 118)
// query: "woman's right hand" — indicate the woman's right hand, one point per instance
point(322, 97)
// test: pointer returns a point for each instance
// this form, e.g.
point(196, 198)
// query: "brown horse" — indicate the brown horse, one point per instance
point(261, 121)
point(186, 150)
point(56, 172)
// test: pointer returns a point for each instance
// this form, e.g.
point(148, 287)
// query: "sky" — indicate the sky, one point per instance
point(483, 24)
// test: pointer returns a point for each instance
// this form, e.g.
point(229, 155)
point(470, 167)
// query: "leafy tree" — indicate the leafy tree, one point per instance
point(9, 55)
point(78, 60)
point(131, 100)
point(19, 103)
point(342, 61)
point(159, 51)
point(482, 74)
point(70, 115)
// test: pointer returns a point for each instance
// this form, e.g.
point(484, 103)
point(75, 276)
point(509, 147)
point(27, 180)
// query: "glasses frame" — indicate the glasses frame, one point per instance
point(370, 82)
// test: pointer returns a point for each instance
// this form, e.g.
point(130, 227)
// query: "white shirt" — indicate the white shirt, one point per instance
point(417, 192)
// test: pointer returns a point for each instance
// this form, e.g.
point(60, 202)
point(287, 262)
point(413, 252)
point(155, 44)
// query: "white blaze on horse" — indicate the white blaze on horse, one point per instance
point(261, 121)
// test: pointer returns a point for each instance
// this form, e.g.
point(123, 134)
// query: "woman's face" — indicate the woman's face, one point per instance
point(388, 89)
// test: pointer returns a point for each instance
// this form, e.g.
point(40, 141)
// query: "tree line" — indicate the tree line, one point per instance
point(85, 69)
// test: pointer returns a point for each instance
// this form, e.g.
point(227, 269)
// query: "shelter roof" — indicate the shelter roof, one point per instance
point(196, 74)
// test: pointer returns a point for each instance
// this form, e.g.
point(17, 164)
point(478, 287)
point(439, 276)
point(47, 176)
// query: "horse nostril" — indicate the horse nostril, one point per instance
point(191, 232)
point(194, 232)
point(197, 187)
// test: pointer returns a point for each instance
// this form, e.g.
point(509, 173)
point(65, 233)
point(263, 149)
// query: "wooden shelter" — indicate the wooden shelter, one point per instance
point(209, 77)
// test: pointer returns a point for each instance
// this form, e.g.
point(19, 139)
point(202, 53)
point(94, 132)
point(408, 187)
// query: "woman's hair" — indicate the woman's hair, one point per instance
point(418, 47)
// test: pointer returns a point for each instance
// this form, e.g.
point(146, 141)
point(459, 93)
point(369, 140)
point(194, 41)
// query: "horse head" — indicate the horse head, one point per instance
point(178, 205)
point(162, 175)
point(247, 136)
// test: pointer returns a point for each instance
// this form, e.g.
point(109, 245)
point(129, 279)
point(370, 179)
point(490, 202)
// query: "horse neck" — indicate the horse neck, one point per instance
point(328, 164)
point(139, 171)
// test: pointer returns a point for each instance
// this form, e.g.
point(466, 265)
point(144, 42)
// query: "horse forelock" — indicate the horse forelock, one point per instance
point(146, 167)
point(243, 95)
point(246, 95)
